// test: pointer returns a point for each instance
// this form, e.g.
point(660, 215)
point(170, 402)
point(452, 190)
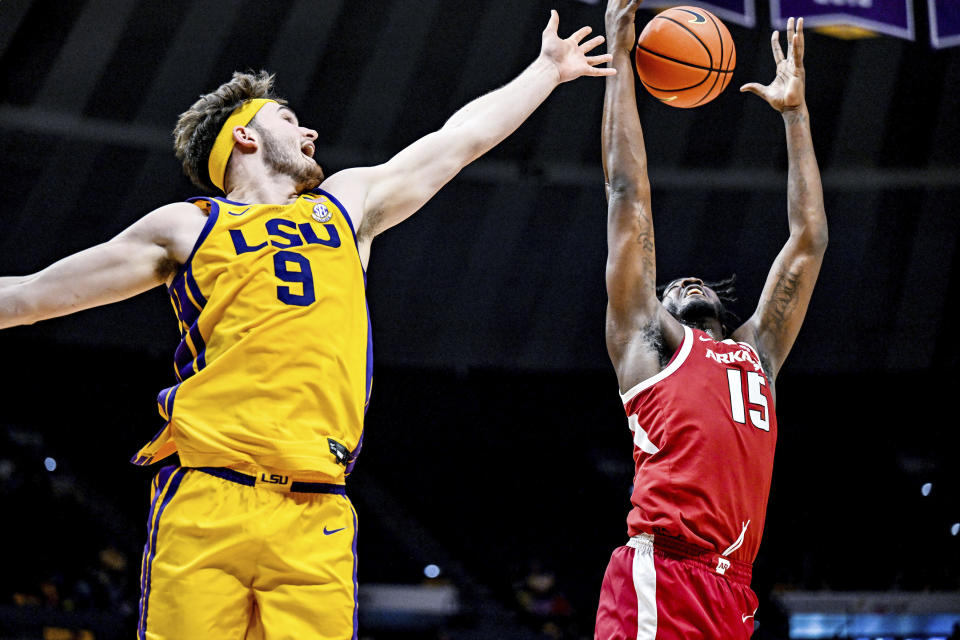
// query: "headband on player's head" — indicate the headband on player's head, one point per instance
point(223, 145)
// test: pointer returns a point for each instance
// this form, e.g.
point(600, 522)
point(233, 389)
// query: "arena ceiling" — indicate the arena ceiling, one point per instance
point(504, 268)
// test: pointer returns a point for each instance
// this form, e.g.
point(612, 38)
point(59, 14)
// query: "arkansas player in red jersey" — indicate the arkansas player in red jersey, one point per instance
point(698, 393)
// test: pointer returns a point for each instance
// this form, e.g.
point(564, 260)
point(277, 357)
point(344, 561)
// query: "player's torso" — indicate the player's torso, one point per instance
point(274, 361)
point(704, 437)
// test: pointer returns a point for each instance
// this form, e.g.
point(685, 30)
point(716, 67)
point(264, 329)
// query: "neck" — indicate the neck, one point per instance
point(259, 185)
point(708, 325)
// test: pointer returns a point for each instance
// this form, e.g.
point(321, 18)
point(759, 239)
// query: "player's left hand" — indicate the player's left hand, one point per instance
point(786, 92)
point(569, 56)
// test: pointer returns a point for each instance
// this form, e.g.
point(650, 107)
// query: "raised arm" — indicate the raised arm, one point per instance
point(774, 325)
point(143, 256)
point(635, 318)
point(389, 193)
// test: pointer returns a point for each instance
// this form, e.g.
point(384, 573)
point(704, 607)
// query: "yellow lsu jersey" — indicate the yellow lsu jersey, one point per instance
point(275, 358)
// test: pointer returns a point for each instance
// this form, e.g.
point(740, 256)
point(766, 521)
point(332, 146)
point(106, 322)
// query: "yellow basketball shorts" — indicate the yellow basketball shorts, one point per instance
point(235, 556)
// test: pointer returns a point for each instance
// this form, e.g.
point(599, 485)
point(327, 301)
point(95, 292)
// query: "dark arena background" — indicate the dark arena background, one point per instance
point(496, 465)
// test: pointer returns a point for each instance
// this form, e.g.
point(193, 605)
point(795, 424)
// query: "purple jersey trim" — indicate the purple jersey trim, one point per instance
point(355, 583)
point(369, 381)
point(153, 530)
point(340, 206)
point(159, 482)
point(194, 288)
point(220, 199)
point(207, 228)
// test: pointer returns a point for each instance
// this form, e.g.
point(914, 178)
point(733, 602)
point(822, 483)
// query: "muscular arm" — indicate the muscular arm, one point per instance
point(636, 321)
point(774, 325)
point(389, 193)
point(141, 257)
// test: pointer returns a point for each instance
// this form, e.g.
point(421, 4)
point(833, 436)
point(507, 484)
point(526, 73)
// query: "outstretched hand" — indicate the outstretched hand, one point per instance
point(786, 92)
point(569, 56)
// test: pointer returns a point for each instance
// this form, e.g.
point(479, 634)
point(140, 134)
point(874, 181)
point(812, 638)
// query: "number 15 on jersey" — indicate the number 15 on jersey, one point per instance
point(754, 396)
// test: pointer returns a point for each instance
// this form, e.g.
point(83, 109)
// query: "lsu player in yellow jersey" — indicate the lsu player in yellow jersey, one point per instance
point(252, 535)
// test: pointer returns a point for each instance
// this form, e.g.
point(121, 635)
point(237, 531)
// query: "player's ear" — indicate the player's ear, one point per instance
point(246, 138)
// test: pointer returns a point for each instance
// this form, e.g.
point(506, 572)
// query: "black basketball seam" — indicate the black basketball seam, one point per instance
point(733, 50)
point(683, 62)
point(714, 85)
point(690, 31)
point(693, 86)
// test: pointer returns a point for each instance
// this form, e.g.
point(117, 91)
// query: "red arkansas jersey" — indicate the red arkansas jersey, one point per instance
point(704, 435)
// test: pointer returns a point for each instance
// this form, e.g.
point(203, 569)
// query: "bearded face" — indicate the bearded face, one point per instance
point(287, 157)
point(691, 302)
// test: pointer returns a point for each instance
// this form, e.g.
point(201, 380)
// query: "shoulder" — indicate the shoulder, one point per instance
point(164, 222)
point(176, 226)
point(747, 335)
point(673, 362)
point(350, 187)
point(180, 212)
point(640, 344)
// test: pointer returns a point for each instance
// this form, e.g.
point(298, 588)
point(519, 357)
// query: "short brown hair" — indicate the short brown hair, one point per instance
point(198, 127)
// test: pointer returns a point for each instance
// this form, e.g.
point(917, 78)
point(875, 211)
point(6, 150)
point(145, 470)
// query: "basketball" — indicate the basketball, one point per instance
point(685, 57)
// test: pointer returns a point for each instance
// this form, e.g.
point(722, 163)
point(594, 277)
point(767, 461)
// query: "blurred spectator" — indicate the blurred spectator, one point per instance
point(544, 606)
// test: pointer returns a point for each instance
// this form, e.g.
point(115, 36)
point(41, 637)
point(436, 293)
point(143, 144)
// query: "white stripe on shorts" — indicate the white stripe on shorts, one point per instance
point(645, 584)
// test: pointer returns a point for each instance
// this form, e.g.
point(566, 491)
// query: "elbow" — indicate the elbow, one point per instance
point(813, 239)
point(823, 239)
point(622, 186)
point(468, 145)
point(16, 308)
point(819, 237)
point(625, 188)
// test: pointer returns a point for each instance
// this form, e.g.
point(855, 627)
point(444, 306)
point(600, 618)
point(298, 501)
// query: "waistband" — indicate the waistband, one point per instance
point(273, 481)
point(714, 562)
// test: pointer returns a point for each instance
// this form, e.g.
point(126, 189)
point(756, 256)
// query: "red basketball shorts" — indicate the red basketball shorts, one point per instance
point(670, 590)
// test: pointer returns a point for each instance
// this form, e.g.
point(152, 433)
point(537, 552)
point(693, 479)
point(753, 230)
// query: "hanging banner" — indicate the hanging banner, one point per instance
point(944, 23)
point(742, 12)
point(892, 17)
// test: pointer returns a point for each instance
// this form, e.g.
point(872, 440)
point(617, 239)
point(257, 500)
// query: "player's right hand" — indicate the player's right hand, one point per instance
point(786, 92)
point(620, 20)
point(569, 56)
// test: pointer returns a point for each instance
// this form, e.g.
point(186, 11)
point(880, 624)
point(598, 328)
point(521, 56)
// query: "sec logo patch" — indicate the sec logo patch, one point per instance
point(321, 213)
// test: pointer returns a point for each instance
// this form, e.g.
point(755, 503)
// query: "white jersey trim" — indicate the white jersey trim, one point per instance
point(640, 437)
point(645, 586)
point(685, 348)
point(739, 541)
point(747, 345)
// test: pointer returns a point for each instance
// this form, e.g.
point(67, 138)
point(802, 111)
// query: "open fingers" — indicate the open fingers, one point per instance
point(798, 44)
point(591, 44)
point(580, 34)
point(601, 59)
point(790, 34)
point(775, 45)
point(594, 70)
point(553, 23)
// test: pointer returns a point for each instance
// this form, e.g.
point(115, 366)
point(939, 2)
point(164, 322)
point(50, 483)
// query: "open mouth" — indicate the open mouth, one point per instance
point(308, 149)
point(693, 291)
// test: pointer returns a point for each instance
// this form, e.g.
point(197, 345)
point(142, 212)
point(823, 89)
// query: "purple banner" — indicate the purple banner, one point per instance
point(892, 17)
point(742, 12)
point(944, 23)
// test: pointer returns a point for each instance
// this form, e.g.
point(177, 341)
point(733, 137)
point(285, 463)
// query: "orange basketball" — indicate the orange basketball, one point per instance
point(685, 57)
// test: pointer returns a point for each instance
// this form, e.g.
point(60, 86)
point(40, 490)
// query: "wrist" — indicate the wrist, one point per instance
point(795, 115)
point(621, 32)
point(547, 67)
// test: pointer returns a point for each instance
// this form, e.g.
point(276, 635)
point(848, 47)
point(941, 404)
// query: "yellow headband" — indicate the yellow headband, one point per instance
point(223, 145)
